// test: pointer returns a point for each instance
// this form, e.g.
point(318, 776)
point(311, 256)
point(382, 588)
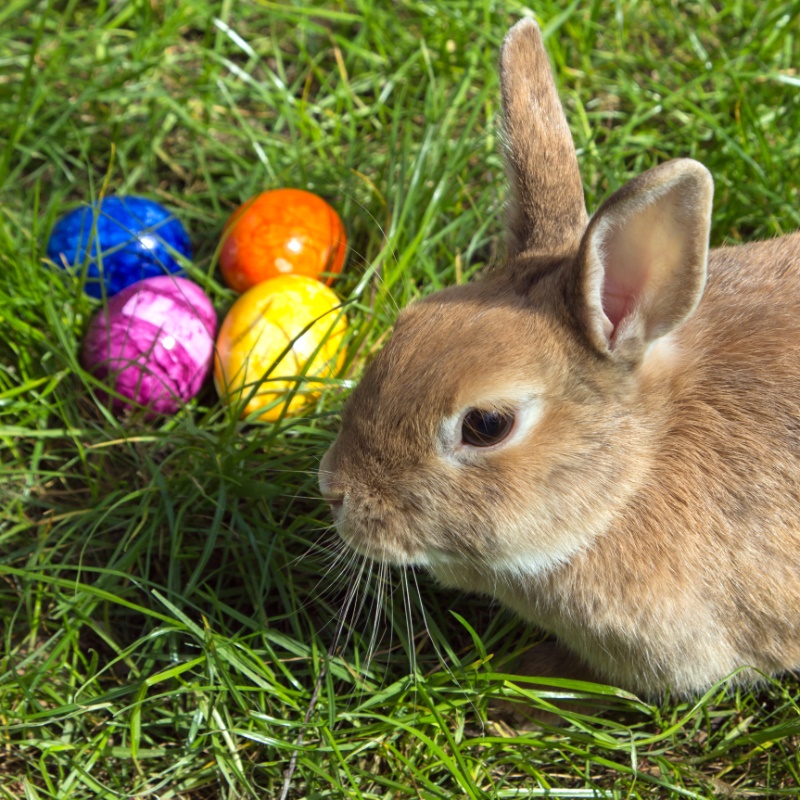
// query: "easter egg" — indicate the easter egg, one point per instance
point(278, 344)
point(281, 232)
point(118, 241)
point(153, 343)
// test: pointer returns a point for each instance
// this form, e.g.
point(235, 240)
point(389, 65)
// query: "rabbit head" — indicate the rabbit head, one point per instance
point(505, 422)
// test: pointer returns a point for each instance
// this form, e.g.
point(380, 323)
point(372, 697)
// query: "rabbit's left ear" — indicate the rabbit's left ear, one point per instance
point(546, 213)
point(642, 263)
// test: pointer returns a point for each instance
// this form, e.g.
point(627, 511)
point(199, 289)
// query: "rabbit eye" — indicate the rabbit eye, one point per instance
point(485, 428)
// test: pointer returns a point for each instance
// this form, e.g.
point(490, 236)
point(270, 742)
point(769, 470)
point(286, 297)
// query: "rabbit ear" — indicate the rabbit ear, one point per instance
point(547, 213)
point(642, 261)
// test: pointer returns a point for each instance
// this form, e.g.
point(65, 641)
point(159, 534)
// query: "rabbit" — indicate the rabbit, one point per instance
point(603, 431)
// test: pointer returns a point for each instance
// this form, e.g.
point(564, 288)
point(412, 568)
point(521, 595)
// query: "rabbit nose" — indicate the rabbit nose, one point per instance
point(331, 494)
point(335, 500)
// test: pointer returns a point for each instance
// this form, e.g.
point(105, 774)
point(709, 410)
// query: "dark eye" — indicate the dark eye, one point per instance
point(485, 428)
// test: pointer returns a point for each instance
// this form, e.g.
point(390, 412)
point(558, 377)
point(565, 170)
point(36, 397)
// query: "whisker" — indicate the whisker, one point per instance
point(378, 608)
point(409, 625)
point(350, 597)
point(440, 655)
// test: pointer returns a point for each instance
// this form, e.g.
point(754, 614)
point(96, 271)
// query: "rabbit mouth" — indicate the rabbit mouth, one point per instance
point(382, 540)
point(385, 553)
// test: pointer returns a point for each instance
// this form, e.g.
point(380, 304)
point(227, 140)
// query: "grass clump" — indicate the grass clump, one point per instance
point(169, 621)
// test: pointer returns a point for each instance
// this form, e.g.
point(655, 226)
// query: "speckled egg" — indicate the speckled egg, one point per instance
point(118, 242)
point(153, 344)
point(278, 345)
point(282, 232)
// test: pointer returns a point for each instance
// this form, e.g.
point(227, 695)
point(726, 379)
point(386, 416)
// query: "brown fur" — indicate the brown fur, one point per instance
point(543, 169)
point(649, 515)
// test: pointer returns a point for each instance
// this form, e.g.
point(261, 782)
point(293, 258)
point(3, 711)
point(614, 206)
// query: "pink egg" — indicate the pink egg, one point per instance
point(153, 343)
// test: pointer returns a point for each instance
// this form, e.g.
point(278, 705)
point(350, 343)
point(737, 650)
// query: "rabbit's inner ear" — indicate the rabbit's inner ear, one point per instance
point(643, 257)
point(638, 257)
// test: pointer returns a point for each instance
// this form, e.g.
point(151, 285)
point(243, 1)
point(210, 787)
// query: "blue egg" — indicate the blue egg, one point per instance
point(118, 242)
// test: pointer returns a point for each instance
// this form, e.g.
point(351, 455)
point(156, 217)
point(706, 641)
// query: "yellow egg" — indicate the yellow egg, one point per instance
point(266, 357)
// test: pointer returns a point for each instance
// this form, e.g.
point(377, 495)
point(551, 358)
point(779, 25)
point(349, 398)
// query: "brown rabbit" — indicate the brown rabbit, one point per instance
point(604, 432)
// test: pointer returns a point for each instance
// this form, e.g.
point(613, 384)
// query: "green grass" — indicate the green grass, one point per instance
point(168, 609)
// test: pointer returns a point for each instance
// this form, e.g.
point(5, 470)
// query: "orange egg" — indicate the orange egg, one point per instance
point(278, 344)
point(281, 232)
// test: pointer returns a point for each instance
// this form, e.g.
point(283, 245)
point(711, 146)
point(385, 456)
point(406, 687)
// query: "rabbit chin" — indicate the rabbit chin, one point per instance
point(381, 548)
point(395, 544)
